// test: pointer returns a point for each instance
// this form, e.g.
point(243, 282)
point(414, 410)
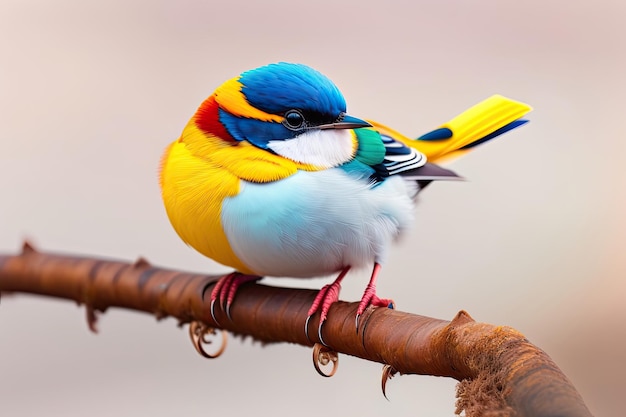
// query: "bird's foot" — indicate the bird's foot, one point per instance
point(371, 299)
point(322, 302)
point(224, 291)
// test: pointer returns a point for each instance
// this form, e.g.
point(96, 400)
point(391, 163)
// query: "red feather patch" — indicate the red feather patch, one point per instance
point(207, 119)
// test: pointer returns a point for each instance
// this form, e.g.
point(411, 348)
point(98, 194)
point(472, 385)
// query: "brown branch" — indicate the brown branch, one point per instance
point(500, 371)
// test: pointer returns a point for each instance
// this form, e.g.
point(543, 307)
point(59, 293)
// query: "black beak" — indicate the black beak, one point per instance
point(345, 122)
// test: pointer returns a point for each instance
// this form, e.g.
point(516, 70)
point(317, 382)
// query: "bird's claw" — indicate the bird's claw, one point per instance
point(227, 309)
point(213, 312)
point(306, 329)
point(371, 299)
point(319, 333)
point(224, 292)
point(322, 302)
point(319, 330)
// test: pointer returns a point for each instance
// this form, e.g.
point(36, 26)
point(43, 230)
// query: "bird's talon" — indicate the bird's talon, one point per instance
point(228, 312)
point(225, 290)
point(323, 301)
point(319, 334)
point(306, 328)
point(213, 313)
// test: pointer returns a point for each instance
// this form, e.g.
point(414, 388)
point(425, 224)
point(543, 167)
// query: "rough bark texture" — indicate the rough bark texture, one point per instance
point(500, 372)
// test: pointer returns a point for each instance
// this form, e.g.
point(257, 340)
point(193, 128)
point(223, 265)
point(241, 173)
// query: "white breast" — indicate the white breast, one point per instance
point(315, 223)
point(323, 148)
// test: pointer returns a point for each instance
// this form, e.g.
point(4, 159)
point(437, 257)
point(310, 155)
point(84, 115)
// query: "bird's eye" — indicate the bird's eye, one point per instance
point(294, 119)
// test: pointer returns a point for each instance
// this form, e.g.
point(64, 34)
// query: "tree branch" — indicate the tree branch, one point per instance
point(500, 371)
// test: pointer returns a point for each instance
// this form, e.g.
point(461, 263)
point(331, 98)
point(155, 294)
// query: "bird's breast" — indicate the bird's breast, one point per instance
point(314, 223)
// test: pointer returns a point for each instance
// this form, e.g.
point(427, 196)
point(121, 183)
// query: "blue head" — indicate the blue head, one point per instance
point(277, 88)
point(279, 102)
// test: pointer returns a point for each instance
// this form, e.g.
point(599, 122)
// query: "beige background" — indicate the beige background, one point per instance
point(91, 93)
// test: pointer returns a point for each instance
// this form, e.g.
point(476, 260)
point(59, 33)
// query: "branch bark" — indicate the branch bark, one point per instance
point(500, 371)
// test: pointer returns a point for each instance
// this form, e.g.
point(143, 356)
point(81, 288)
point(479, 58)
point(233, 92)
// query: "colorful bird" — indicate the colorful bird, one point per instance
point(272, 177)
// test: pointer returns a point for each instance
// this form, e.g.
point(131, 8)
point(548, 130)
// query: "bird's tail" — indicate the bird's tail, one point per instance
point(486, 120)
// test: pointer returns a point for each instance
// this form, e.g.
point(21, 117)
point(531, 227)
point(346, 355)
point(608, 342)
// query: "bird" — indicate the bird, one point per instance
point(272, 177)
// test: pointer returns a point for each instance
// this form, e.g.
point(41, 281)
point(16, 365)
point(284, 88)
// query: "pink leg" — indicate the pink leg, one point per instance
point(225, 290)
point(327, 296)
point(324, 299)
point(370, 297)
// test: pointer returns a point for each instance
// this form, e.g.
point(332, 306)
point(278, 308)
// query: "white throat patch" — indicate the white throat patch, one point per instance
point(323, 148)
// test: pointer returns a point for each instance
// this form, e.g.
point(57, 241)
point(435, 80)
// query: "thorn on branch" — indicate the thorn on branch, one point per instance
point(160, 315)
point(28, 248)
point(322, 356)
point(201, 335)
point(388, 373)
point(141, 262)
point(462, 317)
point(92, 318)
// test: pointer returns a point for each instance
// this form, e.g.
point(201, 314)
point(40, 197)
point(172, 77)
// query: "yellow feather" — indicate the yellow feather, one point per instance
point(473, 124)
point(230, 98)
point(193, 190)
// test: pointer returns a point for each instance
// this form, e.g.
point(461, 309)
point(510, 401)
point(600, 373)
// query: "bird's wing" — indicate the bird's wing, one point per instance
point(380, 156)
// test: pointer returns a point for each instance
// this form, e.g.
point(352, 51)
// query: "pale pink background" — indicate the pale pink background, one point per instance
point(91, 93)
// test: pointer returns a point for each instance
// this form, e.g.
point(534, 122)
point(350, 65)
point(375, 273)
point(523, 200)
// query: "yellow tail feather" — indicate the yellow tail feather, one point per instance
point(470, 126)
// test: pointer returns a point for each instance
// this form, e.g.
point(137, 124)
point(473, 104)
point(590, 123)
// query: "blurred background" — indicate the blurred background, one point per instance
point(92, 92)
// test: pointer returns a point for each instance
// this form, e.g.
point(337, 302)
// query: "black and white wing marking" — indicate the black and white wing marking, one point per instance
point(400, 158)
point(411, 164)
